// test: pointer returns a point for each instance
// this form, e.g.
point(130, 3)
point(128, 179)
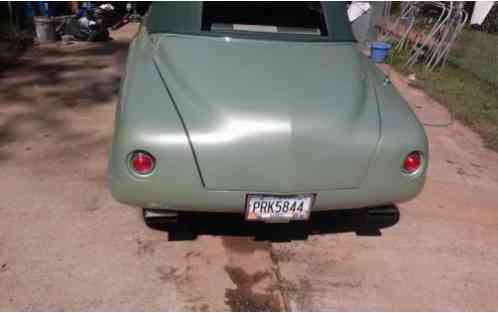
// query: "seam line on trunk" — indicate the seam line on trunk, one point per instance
point(194, 155)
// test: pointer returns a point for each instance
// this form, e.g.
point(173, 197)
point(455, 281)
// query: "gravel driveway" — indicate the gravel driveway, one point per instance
point(65, 244)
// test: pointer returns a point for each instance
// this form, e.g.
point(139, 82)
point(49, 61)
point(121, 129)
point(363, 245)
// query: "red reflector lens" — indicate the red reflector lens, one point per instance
point(412, 162)
point(142, 163)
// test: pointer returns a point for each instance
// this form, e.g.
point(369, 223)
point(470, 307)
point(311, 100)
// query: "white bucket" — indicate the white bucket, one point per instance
point(45, 29)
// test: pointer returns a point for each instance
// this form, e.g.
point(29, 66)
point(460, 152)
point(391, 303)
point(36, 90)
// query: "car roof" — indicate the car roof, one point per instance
point(186, 18)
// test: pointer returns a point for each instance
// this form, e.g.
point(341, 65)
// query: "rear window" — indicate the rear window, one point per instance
point(293, 21)
point(304, 18)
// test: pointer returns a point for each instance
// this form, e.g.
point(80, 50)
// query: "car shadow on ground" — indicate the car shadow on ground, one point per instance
point(363, 222)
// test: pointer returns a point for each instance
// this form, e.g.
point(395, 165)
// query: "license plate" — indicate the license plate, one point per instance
point(278, 208)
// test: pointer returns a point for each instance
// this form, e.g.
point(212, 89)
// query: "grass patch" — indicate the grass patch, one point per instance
point(472, 98)
point(477, 52)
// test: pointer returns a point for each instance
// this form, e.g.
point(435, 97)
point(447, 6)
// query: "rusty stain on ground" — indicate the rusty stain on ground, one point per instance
point(147, 247)
point(283, 286)
point(280, 256)
point(166, 273)
point(192, 254)
point(302, 294)
point(182, 277)
point(185, 276)
point(462, 172)
point(477, 165)
point(244, 245)
point(200, 308)
point(345, 284)
point(243, 298)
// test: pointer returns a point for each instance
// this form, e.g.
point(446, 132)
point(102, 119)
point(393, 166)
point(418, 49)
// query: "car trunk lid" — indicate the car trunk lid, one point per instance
point(272, 115)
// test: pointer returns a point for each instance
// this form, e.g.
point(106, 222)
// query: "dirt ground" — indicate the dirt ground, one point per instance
point(65, 244)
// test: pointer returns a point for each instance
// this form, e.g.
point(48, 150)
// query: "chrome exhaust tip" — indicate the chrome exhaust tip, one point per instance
point(157, 216)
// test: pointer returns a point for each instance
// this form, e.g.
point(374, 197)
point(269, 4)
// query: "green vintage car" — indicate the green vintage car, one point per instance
point(262, 109)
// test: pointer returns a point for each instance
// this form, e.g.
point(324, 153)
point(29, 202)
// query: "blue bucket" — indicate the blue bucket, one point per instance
point(379, 51)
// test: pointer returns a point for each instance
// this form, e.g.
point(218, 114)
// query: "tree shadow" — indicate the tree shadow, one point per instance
point(59, 73)
point(363, 222)
point(50, 85)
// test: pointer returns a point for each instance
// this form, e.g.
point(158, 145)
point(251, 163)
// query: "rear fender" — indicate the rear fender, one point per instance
point(142, 124)
point(401, 133)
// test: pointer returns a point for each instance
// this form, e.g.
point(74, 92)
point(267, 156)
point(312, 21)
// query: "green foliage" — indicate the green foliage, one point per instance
point(477, 52)
point(466, 86)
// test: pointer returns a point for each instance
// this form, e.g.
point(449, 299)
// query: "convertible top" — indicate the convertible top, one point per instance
point(186, 18)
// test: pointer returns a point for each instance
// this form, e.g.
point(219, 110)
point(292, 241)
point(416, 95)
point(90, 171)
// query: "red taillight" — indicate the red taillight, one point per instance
point(412, 162)
point(142, 162)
